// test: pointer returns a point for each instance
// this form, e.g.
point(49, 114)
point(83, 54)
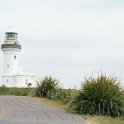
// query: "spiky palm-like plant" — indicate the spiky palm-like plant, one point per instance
point(46, 87)
point(102, 95)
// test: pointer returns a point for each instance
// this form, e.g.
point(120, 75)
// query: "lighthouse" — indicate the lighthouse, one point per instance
point(12, 75)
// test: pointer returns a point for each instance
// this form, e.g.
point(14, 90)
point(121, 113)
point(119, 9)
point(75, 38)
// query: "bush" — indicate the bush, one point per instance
point(102, 96)
point(64, 95)
point(47, 87)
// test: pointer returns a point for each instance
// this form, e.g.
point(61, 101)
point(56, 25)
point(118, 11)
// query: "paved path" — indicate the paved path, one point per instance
point(27, 110)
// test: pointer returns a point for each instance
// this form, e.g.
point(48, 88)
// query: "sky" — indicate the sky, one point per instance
point(68, 39)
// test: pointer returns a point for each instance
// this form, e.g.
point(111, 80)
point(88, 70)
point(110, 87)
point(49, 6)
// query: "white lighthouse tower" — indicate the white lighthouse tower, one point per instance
point(12, 75)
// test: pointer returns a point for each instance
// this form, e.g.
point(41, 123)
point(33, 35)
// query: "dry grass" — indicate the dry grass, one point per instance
point(103, 120)
point(1, 112)
point(90, 119)
point(53, 103)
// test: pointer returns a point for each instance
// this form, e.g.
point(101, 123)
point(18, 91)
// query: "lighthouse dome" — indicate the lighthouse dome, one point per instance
point(11, 30)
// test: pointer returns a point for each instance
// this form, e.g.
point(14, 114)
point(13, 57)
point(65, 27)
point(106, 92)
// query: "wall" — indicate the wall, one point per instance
point(18, 81)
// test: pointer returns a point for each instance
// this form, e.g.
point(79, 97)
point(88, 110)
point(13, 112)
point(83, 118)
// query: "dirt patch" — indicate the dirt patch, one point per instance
point(1, 112)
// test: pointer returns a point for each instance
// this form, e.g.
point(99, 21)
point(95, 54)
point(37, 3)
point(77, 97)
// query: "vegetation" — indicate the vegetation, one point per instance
point(100, 96)
point(54, 103)
point(97, 97)
point(15, 91)
point(96, 119)
point(47, 87)
point(103, 119)
point(65, 95)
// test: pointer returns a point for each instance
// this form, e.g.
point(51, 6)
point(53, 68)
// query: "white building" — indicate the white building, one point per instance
point(12, 75)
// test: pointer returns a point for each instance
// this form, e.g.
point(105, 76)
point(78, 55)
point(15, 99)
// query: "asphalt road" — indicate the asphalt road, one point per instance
point(27, 110)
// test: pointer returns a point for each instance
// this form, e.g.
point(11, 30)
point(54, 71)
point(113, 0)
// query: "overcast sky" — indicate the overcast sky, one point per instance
point(69, 39)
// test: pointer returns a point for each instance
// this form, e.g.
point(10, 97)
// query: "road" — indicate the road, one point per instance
point(28, 110)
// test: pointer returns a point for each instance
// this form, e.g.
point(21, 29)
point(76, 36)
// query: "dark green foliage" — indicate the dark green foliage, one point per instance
point(47, 87)
point(101, 96)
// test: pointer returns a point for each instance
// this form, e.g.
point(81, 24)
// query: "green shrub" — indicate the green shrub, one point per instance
point(47, 87)
point(64, 95)
point(102, 96)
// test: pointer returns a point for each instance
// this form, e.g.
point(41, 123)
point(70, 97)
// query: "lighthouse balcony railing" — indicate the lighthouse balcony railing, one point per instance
point(10, 46)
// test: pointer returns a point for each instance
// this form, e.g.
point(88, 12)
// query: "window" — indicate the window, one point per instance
point(7, 65)
point(11, 36)
point(7, 80)
point(26, 81)
point(14, 57)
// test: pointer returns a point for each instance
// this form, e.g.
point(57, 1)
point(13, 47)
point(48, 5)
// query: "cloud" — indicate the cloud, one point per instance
point(68, 39)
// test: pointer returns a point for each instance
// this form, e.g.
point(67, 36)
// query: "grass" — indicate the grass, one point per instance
point(90, 119)
point(103, 120)
point(15, 91)
point(53, 103)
